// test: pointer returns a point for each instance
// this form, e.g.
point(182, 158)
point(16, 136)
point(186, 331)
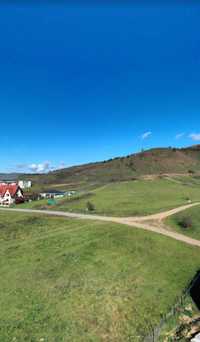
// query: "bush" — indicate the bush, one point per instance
point(90, 206)
point(185, 222)
point(191, 172)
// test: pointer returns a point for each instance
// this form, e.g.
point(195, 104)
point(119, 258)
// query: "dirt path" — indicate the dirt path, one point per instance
point(163, 215)
point(162, 231)
point(136, 222)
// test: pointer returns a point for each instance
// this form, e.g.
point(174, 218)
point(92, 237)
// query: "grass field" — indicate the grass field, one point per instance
point(140, 197)
point(71, 280)
point(194, 230)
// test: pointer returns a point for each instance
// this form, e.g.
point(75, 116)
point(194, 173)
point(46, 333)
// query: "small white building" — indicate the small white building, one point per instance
point(52, 194)
point(24, 184)
point(70, 193)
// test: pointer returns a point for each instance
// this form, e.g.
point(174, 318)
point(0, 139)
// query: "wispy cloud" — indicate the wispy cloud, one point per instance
point(40, 167)
point(179, 135)
point(21, 166)
point(146, 135)
point(36, 168)
point(195, 136)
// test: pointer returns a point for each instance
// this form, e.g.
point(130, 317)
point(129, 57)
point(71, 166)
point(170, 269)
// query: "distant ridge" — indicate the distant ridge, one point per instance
point(9, 176)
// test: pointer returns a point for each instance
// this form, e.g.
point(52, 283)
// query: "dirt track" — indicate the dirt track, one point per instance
point(137, 222)
point(161, 216)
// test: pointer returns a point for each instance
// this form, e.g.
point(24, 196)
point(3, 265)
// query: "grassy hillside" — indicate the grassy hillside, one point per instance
point(139, 197)
point(70, 280)
point(154, 161)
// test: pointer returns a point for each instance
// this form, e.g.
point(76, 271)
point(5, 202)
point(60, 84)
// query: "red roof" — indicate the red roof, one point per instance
point(12, 188)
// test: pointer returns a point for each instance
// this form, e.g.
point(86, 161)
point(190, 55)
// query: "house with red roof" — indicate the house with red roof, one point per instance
point(10, 193)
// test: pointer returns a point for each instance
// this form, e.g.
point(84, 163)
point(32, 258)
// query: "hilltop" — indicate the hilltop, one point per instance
point(151, 162)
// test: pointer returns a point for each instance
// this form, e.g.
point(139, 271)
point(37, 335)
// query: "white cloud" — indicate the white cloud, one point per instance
point(179, 135)
point(195, 136)
point(33, 167)
point(146, 135)
point(42, 167)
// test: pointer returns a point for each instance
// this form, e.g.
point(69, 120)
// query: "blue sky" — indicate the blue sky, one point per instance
point(85, 82)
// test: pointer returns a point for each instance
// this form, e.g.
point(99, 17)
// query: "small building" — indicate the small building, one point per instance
point(52, 194)
point(70, 193)
point(10, 193)
point(24, 184)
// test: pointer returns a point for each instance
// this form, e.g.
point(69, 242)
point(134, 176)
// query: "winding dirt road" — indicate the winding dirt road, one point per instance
point(144, 222)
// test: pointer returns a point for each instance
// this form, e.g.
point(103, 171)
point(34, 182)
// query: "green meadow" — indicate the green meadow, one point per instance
point(73, 280)
point(139, 197)
point(194, 216)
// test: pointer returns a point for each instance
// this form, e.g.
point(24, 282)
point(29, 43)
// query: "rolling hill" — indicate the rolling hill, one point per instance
point(151, 162)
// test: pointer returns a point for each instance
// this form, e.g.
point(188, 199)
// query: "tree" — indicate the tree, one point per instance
point(185, 222)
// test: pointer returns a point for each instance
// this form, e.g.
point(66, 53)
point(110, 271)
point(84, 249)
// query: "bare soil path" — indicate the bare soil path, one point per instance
point(163, 215)
point(136, 222)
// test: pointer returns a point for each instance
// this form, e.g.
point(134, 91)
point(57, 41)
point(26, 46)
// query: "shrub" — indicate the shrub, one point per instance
point(191, 172)
point(185, 222)
point(187, 198)
point(90, 206)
